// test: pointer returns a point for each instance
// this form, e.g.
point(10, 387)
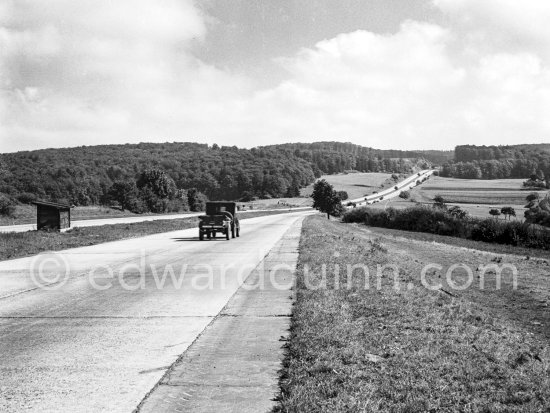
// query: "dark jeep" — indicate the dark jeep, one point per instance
point(220, 217)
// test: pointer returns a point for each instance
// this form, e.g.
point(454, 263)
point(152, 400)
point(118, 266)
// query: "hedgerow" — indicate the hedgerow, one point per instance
point(442, 222)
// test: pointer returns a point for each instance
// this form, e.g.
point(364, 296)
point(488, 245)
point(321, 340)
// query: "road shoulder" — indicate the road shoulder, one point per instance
point(233, 365)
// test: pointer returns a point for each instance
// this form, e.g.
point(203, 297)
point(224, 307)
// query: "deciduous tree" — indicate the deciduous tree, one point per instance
point(508, 212)
point(494, 212)
point(326, 199)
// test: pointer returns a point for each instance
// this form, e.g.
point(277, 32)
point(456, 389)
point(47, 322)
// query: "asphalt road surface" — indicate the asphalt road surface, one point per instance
point(94, 329)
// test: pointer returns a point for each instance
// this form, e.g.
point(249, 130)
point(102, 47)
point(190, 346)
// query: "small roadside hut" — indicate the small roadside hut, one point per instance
point(52, 216)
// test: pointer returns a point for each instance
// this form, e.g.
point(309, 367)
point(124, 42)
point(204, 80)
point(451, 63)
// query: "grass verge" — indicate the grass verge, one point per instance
point(357, 349)
point(462, 242)
point(21, 244)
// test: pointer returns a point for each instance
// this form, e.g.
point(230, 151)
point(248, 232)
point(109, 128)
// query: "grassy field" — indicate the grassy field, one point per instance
point(26, 214)
point(358, 349)
point(355, 184)
point(474, 191)
point(475, 196)
point(21, 244)
point(278, 203)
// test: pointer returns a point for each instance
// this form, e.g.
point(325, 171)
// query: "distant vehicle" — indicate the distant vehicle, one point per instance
point(221, 217)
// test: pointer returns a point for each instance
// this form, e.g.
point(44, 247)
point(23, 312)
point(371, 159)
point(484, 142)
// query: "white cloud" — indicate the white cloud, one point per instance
point(506, 25)
point(108, 70)
point(410, 89)
point(97, 71)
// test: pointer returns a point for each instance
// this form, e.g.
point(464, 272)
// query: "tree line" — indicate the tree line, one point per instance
point(92, 175)
point(499, 162)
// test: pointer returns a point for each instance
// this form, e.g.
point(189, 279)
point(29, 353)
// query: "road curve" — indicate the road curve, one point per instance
point(99, 341)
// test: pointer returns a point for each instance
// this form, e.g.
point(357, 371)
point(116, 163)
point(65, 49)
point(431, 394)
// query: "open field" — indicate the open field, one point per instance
point(355, 184)
point(277, 203)
point(474, 210)
point(475, 196)
point(377, 347)
point(26, 214)
point(472, 191)
point(21, 244)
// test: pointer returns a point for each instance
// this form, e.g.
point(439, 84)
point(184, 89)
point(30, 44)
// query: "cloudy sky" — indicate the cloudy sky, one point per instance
point(383, 73)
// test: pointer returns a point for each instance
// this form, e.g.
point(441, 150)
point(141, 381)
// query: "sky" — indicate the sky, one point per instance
point(401, 74)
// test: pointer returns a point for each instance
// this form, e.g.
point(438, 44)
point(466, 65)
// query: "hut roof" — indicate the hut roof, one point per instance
point(52, 204)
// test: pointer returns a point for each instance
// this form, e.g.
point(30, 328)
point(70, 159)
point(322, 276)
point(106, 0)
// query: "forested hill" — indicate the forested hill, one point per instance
point(495, 162)
point(84, 175)
point(325, 154)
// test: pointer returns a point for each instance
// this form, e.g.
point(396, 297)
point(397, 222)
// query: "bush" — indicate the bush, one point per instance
point(137, 205)
point(247, 197)
point(26, 198)
point(440, 221)
point(355, 215)
point(535, 183)
point(487, 231)
point(405, 194)
point(514, 233)
point(152, 201)
point(7, 205)
point(196, 200)
point(439, 202)
point(343, 195)
point(177, 205)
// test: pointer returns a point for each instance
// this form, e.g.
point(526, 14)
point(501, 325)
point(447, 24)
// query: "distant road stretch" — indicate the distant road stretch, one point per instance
point(124, 220)
point(389, 193)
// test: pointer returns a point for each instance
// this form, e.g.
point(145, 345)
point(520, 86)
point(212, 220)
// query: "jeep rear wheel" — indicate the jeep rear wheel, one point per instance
point(201, 235)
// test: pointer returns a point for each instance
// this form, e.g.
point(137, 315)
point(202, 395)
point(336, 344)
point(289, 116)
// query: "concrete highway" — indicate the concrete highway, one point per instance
point(93, 329)
point(407, 183)
point(121, 220)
